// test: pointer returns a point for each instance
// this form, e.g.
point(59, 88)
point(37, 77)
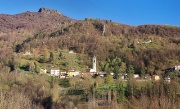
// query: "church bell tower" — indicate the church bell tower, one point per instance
point(94, 63)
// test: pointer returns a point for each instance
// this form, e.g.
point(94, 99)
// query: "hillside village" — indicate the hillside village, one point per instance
point(58, 73)
point(51, 61)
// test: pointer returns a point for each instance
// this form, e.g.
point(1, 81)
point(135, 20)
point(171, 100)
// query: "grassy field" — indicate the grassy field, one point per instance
point(67, 61)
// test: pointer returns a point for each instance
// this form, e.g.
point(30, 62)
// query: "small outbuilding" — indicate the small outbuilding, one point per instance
point(43, 71)
point(155, 78)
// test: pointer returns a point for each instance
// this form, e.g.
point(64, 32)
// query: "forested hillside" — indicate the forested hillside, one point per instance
point(148, 48)
point(31, 41)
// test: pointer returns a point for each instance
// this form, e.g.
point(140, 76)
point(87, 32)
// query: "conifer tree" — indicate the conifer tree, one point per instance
point(51, 57)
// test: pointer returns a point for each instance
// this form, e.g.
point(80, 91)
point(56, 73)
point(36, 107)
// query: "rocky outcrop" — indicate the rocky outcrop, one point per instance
point(49, 11)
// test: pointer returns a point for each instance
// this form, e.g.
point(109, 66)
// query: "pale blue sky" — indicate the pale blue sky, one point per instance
point(132, 12)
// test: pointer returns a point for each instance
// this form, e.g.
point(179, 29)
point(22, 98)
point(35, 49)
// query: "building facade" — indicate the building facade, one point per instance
point(55, 72)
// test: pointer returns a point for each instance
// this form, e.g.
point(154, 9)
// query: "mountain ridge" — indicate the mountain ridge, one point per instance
point(48, 20)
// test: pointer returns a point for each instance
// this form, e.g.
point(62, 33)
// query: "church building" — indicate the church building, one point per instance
point(94, 66)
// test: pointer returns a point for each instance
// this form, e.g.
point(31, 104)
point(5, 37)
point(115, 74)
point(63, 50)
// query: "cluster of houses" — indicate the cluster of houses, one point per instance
point(92, 72)
point(72, 73)
point(56, 72)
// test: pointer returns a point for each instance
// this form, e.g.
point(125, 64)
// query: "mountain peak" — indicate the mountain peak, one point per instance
point(49, 11)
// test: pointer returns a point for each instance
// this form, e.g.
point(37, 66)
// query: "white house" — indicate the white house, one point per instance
point(102, 74)
point(71, 52)
point(177, 67)
point(90, 70)
point(135, 76)
point(168, 79)
point(155, 77)
point(147, 41)
point(55, 72)
point(111, 73)
point(76, 73)
point(27, 53)
point(123, 76)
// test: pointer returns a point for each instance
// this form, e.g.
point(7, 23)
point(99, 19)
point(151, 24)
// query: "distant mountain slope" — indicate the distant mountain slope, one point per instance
point(41, 20)
point(20, 26)
point(107, 28)
point(28, 23)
